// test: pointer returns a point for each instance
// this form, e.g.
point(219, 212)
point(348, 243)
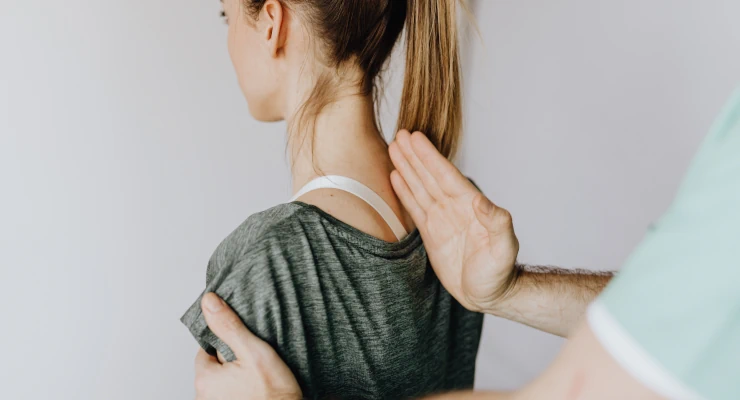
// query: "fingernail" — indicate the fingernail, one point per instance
point(485, 205)
point(212, 303)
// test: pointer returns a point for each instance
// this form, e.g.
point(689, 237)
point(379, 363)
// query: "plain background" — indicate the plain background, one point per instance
point(127, 153)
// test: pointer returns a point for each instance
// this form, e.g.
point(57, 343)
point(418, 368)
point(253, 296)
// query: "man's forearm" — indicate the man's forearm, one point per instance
point(584, 370)
point(550, 299)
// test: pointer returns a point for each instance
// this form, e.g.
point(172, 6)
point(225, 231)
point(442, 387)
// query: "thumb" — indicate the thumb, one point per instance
point(495, 219)
point(225, 324)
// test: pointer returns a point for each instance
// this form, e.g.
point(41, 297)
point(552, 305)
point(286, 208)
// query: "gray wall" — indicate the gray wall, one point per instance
point(582, 118)
point(127, 153)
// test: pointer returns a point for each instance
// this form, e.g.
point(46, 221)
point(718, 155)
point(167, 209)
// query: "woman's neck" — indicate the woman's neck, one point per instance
point(343, 141)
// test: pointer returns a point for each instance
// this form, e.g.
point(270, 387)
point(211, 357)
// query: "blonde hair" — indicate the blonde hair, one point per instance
point(432, 95)
point(365, 32)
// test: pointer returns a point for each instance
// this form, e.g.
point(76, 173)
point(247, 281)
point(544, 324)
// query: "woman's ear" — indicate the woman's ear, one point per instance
point(274, 26)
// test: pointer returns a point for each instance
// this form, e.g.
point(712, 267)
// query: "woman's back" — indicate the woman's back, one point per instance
point(352, 315)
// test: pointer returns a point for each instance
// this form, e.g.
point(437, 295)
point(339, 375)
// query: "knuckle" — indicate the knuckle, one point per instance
point(232, 322)
point(505, 216)
point(502, 215)
point(263, 354)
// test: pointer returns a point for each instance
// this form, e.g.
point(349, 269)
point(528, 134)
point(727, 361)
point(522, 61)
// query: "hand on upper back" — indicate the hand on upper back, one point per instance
point(257, 373)
point(470, 242)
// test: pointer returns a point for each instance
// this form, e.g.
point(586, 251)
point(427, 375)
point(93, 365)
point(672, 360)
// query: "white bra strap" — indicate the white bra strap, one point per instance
point(361, 191)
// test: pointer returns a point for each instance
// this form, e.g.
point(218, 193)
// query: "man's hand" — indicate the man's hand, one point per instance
point(473, 249)
point(470, 241)
point(257, 373)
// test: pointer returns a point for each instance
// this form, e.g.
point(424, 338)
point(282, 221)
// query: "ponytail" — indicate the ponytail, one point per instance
point(365, 31)
point(432, 101)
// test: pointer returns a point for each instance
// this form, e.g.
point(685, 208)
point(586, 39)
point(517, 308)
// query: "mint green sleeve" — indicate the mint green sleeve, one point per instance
point(672, 315)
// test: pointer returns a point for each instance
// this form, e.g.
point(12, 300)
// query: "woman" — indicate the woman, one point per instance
point(332, 279)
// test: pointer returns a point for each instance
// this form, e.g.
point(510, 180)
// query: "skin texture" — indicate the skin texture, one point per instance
point(263, 40)
point(473, 248)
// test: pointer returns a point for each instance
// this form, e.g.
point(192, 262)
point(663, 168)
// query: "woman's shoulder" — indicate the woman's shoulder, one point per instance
point(278, 224)
point(274, 220)
point(261, 239)
point(295, 234)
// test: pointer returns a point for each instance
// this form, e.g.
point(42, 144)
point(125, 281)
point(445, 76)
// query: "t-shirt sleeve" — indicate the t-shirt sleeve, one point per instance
point(194, 320)
point(247, 286)
point(672, 316)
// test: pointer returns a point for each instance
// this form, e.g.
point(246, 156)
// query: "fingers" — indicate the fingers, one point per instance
point(228, 326)
point(495, 219)
point(416, 187)
point(442, 171)
point(407, 199)
point(403, 138)
point(205, 365)
point(205, 362)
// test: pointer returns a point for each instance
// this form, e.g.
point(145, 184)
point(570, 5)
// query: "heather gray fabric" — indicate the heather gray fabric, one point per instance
point(353, 316)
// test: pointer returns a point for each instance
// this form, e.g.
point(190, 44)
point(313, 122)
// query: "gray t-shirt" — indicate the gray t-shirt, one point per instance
point(353, 316)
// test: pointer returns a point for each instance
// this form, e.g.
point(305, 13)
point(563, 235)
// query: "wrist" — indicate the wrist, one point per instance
point(497, 303)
